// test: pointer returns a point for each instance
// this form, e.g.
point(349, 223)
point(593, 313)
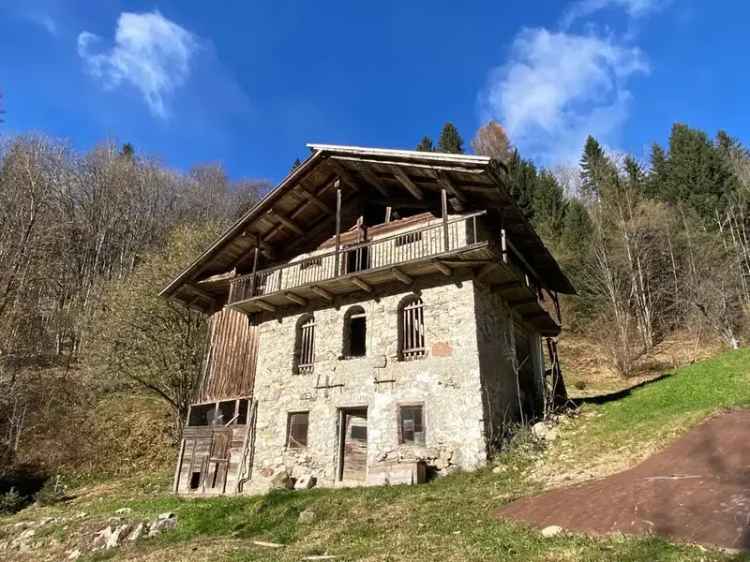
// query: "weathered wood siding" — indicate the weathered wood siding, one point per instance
point(232, 355)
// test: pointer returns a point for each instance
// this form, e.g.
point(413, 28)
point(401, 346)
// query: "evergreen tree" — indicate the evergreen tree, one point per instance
point(659, 171)
point(425, 145)
point(548, 201)
point(522, 177)
point(596, 169)
point(697, 175)
point(450, 140)
point(127, 150)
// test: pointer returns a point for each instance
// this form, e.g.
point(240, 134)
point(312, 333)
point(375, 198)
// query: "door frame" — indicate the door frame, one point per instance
point(341, 439)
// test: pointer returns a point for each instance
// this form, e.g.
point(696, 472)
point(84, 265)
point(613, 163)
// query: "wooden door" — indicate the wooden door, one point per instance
point(354, 446)
point(218, 461)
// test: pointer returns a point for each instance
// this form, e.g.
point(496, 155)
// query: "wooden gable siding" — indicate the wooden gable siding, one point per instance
point(230, 369)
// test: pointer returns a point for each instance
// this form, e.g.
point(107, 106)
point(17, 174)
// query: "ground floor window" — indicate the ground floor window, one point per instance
point(296, 432)
point(411, 425)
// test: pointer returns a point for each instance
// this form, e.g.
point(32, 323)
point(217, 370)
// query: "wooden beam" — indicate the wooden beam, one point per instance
point(445, 182)
point(520, 302)
point(322, 293)
point(343, 174)
point(286, 222)
point(486, 270)
point(201, 293)
point(401, 276)
point(265, 306)
point(371, 178)
point(361, 284)
point(443, 268)
point(296, 299)
point(499, 288)
point(405, 180)
point(315, 200)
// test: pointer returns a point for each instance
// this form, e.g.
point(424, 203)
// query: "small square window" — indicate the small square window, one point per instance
point(296, 430)
point(411, 425)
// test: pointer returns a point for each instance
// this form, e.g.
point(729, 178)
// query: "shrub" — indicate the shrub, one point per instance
point(11, 502)
point(51, 493)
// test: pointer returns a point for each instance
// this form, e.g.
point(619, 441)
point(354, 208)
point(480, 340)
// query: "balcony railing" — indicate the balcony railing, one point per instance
point(408, 246)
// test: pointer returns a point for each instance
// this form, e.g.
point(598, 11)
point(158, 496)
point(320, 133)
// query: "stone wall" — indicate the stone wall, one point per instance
point(446, 382)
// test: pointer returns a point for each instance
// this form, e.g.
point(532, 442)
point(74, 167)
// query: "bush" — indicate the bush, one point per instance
point(11, 502)
point(51, 493)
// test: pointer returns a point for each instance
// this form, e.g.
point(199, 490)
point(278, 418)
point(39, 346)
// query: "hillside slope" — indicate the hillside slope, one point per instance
point(449, 519)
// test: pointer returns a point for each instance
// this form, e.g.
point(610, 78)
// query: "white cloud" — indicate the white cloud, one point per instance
point(150, 52)
point(44, 21)
point(633, 8)
point(557, 88)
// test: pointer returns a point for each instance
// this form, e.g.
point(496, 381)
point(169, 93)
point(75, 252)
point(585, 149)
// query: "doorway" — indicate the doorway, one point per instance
point(353, 445)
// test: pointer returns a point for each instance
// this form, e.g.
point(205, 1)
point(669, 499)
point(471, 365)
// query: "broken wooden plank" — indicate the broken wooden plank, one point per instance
point(265, 306)
point(321, 292)
point(406, 181)
point(361, 284)
point(401, 276)
point(296, 299)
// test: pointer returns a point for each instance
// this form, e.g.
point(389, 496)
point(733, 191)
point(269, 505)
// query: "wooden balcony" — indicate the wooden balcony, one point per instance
point(443, 247)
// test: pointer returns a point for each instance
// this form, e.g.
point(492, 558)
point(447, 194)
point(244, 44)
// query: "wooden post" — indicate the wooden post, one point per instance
point(255, 269)
point(504, 245)
point(444, 201)
point(338, 226)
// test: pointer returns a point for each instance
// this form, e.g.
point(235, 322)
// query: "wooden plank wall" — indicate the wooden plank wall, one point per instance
point(230, 369)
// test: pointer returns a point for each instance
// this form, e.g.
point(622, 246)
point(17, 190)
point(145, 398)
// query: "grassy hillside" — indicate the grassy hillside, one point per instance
point(449, 519)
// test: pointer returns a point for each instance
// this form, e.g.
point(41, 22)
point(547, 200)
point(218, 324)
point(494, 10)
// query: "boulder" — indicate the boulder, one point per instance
point(307, 516)
point(551, 531)
point(137, 531)
point(164, 522)
point(305, 482)
point(282, 480)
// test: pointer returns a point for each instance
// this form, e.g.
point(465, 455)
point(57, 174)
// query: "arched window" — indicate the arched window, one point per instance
point(304, 345)
point(411, 343)
point(355, 332)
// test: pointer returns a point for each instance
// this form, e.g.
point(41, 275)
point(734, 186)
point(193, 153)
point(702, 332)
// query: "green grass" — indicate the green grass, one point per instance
point(661, 409)
point(449, 519)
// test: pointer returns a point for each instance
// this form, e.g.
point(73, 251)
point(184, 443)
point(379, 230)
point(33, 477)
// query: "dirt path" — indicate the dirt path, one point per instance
point(697, 491)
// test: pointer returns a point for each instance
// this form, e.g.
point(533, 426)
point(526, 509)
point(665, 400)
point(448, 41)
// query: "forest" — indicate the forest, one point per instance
point(97, 371)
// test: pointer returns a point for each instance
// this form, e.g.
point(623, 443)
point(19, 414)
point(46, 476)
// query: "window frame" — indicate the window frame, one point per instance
point(399, 422)
point(413, 308)
point(353, 313)
point(304, 345)
point(288, 441)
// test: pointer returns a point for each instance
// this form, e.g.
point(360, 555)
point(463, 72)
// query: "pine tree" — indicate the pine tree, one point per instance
point(657, 177)
point(548, 201)
point(596, 169)
point(522, 177)
point(425, 145)
point(697, 175)
point(450, 140)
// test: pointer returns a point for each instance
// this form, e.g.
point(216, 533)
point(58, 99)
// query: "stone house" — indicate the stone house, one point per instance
point(379, 317)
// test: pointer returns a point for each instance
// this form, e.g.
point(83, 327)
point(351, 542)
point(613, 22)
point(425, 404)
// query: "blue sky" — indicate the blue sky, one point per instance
point(248, 83)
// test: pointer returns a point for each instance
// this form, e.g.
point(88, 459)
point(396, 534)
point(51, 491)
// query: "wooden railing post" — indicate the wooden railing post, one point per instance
point(338, 227)
point(504, 245)
point(255, 271)
point(444, 202)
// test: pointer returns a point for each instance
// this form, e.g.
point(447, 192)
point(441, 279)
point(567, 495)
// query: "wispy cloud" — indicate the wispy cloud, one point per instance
point(150, 52)
point(558, 87)
point(43, 20)
point(633, 8)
